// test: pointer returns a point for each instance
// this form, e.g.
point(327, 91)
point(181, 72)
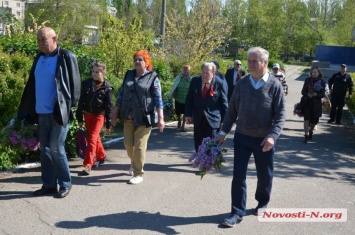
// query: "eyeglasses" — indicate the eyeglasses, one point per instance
point(138, 60)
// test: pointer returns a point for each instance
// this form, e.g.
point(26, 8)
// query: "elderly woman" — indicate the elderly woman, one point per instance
point(139, 96)
point(312, 93)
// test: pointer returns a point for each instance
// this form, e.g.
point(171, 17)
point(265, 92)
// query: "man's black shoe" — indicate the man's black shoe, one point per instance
point(63, 192)
point(331, 120)
point(44, 191)
point(232, 220)
point(338, 123)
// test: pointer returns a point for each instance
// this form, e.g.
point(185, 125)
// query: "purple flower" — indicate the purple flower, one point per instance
point(209, 156)
point(24, 143)
point(317, 85)
point(33, 143)
point(14, 138)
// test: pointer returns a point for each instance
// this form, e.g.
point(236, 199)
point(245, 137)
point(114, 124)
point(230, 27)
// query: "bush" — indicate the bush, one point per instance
point(14, 71)
point(19, 143)
point(165, 77)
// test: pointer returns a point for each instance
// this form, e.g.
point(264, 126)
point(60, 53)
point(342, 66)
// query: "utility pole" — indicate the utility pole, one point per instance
point(162, 23)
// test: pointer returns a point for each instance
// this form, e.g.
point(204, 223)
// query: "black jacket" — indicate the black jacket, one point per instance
point(229, 79)
point(95, 102)
point(340, 83)
point(68, 89)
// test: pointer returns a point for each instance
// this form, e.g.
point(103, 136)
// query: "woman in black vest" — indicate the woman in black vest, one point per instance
point(139, 99)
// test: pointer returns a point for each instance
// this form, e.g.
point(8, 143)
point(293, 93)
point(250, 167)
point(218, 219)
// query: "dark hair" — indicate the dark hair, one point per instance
point(320, 74)
point(100, 64)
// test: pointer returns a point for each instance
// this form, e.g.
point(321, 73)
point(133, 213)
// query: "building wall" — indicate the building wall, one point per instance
point(336, 54)
point(17, 7)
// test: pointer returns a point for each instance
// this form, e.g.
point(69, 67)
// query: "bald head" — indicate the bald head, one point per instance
point(46, 40)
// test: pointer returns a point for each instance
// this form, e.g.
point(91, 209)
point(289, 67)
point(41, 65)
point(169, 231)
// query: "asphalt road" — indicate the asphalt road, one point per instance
point(173, 200)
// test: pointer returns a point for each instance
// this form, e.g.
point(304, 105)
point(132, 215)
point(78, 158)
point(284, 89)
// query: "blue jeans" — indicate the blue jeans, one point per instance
point(244, 146)
point(54, 162)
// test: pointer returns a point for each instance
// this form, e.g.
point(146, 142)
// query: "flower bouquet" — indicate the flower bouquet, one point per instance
point(209, 156)
point(317, 86)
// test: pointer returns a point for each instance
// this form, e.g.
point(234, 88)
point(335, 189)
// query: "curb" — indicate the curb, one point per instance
point(37, 164)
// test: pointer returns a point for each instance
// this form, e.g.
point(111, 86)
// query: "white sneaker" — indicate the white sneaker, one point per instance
point(136, 180)
point(130, 171)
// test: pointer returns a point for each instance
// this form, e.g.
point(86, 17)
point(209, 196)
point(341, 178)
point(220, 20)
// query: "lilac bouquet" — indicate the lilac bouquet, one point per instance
point(209, 156)
point(317, 86)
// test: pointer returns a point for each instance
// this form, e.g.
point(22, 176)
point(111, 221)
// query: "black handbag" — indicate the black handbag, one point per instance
point(151, 119)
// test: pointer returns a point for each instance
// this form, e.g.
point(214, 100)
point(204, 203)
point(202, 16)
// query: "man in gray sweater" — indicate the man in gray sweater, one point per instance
point(257, 106)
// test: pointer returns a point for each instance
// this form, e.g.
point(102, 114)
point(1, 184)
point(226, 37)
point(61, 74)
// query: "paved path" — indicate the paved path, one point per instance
point(173, 200)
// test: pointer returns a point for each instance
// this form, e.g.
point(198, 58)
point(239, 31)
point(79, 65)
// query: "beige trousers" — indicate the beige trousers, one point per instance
point(135, 141)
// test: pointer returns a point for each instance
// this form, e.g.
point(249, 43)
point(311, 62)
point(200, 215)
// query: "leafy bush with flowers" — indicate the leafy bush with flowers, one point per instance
point(209, 156)
point(19, 143)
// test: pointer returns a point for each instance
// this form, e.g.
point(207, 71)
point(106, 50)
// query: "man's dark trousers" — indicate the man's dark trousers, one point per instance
point(336, 111)
point(202, 131)
point(244, 146)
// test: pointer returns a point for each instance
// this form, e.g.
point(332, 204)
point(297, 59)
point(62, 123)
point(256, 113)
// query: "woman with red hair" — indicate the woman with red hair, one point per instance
point(139, 96)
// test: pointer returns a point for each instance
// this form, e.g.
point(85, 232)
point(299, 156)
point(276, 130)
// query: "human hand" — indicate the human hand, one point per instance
point(114, 116)
point(80, 125)
point(267, 144)
point(221, 139)
point(161, 124)
point(188, 120)
point(108, 130)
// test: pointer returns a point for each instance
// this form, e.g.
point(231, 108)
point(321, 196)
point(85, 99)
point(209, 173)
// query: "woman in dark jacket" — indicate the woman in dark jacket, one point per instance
point(95, 106)
point(312, 93)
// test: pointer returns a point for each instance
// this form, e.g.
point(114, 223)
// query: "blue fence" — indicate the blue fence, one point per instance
point(336, 54)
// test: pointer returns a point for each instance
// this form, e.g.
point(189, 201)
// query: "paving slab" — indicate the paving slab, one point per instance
point(173, 199)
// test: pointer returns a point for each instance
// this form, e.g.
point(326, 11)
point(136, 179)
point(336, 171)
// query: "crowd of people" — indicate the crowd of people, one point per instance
point(212, 102)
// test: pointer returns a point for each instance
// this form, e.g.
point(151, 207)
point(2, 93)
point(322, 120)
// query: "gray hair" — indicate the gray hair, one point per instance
point(209, 65)
point(261, 52)
point(237, 61)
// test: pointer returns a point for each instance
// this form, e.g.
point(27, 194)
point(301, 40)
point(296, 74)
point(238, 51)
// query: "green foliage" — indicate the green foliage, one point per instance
point(8, 158)
point(70, 142)
point(165, 77)
point(20, 143)
point(23, 43)
point(14, 71)
point(119, 41)
point(197, 36)
point(351, 103)
point(73, 15)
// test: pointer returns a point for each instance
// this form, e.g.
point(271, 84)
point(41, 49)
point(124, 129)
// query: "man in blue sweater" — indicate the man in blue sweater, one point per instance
point(257, 106)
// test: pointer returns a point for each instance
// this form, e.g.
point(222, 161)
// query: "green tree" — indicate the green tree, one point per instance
point(345, 23)
point(193, 39)
point(119, 42)
point(66, 17)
